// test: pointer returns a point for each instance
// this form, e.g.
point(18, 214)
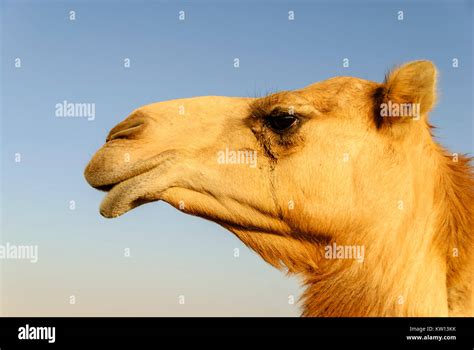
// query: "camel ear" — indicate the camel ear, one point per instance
point(408, 92)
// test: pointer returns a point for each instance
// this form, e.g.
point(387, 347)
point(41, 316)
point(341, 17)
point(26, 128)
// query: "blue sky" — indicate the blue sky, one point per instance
point(82, 61)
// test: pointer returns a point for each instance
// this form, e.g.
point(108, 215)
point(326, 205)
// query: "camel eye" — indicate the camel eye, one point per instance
point(281, 123)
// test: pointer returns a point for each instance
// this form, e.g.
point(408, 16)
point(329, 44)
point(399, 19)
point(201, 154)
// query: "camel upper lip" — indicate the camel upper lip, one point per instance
point(105, 181)
point(136, 171)
point(108, 187)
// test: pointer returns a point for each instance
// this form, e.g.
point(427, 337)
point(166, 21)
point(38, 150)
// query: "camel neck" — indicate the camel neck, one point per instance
point(409, 280)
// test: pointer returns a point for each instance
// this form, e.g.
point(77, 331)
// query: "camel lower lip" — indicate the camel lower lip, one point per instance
point(124, 196)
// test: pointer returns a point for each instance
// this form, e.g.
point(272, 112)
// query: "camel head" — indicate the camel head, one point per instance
point(345, 162)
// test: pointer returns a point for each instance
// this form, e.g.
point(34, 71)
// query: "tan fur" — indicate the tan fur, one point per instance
point(344, 174)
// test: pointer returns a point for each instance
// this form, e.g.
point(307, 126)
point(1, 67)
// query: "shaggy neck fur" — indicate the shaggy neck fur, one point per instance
point(413, 280)
point(454, 232)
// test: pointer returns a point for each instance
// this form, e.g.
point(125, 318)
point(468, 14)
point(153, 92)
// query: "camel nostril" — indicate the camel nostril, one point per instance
point(124, 131)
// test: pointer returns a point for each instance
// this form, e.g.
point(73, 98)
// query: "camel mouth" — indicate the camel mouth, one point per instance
point(126, 195)
point(143, 185)
point(105, 188)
